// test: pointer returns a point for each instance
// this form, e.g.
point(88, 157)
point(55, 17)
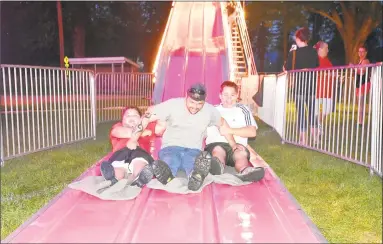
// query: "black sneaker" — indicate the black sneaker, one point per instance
point(216, 167)
point(200, 171)
point(107, 171)
point(162, 172)
point(252, 174)
point(144, 177)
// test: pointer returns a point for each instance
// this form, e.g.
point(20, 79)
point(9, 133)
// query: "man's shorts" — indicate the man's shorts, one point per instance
point(228, 150)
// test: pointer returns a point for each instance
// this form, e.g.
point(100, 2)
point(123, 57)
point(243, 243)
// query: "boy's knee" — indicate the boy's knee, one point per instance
point(241, 164)
point(218, 151)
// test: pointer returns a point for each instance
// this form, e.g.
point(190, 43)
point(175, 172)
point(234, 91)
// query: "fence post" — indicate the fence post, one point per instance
point(376, 130)
point(1, 121)
point(285, 107)
point(93, 100)
point(1, 141)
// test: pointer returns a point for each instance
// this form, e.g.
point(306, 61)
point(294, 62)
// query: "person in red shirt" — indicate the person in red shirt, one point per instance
point(324, 87)
point(135, 165)
point(363, 84)
point(122, 131)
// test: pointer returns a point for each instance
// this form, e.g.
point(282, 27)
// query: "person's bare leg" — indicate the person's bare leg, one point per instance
point(137, 166)
point(220, 153)
point(218, 160)
point(321, 119)
point(241, 161)
point(119, 173)
point(315, 135)
point(246, 171)
point(360, 102)
point(302, 138)
point(253, 157)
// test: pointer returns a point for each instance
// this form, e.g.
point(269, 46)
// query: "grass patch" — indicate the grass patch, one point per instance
point(29, 182)
point(340, 198)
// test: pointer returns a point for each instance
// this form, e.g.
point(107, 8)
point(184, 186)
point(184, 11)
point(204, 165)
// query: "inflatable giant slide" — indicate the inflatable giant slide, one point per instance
point(193, 50)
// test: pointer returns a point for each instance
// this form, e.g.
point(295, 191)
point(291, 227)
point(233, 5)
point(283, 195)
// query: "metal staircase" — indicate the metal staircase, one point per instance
point(239, 61)
point(241, 53)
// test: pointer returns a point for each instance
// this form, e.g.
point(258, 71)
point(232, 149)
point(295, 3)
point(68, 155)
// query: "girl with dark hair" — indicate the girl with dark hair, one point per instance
point(304, 57)
point(363, 84)
point(134, 165)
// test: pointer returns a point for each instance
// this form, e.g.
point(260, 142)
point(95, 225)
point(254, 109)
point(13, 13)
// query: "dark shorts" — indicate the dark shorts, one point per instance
point(227, 148)
point(128, 155)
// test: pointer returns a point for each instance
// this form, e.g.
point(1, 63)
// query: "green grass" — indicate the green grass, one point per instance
point(340, 197)
point(341, 134)
point(29, 182)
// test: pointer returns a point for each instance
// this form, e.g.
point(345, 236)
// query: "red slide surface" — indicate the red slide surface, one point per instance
point(257, 213)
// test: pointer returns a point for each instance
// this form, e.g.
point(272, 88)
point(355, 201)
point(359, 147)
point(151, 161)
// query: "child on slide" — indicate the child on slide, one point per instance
point(134, 165)
point(241, 125)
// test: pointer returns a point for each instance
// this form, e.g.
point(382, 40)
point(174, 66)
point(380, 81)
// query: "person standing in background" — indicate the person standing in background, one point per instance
point(363, 84)
point(304, 57)
point(325, 85)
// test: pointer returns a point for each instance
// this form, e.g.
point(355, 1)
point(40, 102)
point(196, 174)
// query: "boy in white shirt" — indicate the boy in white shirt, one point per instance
point(242, 126)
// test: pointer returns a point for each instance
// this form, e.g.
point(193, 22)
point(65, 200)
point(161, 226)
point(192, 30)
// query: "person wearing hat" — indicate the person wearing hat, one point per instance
point(187, 119)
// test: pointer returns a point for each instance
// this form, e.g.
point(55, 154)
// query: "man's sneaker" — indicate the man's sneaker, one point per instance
point(201, 170)
point(252, 174)
point(162, 172)
point(107, 171)
point(144, 177)
point(216, 167)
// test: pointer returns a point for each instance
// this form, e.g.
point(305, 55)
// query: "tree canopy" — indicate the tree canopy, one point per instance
point(29, 30)
point(344, 25)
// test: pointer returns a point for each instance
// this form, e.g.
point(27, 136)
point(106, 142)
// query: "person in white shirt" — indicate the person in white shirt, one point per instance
point(242, 125)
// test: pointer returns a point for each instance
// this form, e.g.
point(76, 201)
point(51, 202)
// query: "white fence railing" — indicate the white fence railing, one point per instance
point(118, 90)
point(377, 121)
point(337, 111)
point(43, 108)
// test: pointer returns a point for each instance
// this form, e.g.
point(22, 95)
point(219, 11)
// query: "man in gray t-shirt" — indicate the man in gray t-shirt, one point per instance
point(186, 121)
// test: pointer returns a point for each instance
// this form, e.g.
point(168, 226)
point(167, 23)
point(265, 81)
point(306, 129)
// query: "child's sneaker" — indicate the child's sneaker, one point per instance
point(107, 171)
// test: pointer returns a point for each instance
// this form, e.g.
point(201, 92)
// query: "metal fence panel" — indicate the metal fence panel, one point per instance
point(44, 107)
point(377, 121)
point(337, 111)
point(114, 91)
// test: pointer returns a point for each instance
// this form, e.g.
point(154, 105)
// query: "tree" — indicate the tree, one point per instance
point(28, 37)
point(30, 30)
point(287, 15)
point(354, 21)
point(259, 44)
point(61, 32)
point(155, 18)
point(77, 16)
